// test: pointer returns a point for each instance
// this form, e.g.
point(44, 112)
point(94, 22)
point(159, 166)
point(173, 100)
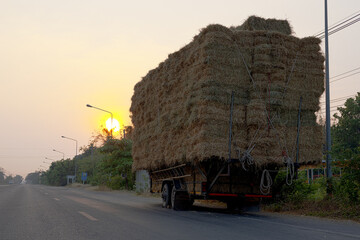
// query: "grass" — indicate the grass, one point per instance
point(313, 200)
point(327, 207)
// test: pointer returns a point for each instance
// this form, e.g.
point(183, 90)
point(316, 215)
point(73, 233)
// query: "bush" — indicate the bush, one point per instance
point(299, 191)
point(348, 190)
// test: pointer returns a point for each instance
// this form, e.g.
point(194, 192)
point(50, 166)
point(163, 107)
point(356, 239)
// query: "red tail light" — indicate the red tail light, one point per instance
point(203, 187)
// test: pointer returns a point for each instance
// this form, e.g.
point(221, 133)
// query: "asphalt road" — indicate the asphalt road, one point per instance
point(41, 212)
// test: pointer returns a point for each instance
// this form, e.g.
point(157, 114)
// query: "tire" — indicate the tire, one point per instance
point(180, 200)
point(166, 195)
point(231, 205)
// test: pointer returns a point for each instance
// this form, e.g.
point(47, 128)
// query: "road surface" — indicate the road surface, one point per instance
point(42, 212)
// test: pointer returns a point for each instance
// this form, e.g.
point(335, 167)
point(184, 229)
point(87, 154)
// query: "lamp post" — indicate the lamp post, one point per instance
point(50, 159)
point(76, 151)
point(47, 162)
point(60, 152)
point(90, 106)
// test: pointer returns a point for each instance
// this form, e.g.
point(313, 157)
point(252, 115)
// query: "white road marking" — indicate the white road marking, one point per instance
point(57, 199)
point(88, 216)
point(46, 193)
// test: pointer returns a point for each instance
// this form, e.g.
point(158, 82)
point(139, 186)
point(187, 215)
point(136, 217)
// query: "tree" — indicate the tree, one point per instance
point(117, 163)
point(56, 175)
point(346, 132)
point(346, 147)
point(18, 179)
point(33, 178)
point(2, 176)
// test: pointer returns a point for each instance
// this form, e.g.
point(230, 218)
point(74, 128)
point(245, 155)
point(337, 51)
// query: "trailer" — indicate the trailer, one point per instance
point(227, 182)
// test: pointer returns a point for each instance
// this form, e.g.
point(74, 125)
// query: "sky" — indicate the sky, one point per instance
point(58, 56)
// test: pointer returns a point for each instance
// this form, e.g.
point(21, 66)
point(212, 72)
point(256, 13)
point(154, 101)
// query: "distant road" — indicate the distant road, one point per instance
point(41, 212)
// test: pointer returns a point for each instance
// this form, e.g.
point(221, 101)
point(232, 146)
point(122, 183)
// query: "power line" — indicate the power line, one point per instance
point(341, 105)
point(333, 109)
point(349, 96)
point(345, 77)
point(340, 25)
point(341, 28)
point(340, 98)
point(322, 31)
point(345, 73)
point(18, 156)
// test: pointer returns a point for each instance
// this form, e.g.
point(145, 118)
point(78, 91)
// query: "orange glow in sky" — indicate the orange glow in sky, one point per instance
point(57, 56)
point(115, 125)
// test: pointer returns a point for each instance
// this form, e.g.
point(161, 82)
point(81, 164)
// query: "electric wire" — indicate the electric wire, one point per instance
point(340, 25)
point(322, 31)
point(339, 99)
point(341, 28)
point(344, 77)
point(345, 73)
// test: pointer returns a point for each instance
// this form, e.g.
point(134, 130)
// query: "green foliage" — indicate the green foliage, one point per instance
point(2, 176)
point(107, 162)
point(337, 197)
point(56, 175)
point(348, 189)
point(299, 190)
point(346, 133)
point(33, 178)
point(17, 179)
point(346, 149)
point(116, 164)
point(9, 179)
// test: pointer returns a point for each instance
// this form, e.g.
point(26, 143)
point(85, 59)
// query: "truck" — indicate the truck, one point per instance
point(220, 117)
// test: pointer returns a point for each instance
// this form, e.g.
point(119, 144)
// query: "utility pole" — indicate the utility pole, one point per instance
point(327, 85)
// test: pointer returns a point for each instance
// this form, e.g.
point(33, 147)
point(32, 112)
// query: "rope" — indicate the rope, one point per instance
point(245, 158)
point(266, 182)
point(290, 170)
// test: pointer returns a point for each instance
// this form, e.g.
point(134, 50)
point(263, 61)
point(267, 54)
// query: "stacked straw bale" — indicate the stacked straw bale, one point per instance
point(180, 110)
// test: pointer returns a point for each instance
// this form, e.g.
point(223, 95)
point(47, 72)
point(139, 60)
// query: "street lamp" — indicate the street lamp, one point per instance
point(60, 152)
point(90, 106)
point(47, 162)
point(50, 159)
point(76, 151)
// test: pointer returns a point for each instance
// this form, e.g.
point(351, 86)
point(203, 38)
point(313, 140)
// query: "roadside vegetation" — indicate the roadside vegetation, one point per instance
point(106, 160)
point(339, 197)
point(9, 179)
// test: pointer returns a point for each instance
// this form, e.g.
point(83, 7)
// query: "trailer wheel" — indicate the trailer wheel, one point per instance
point(166, 195)
point(180, 200)
point(174, 203)
point(231, 205)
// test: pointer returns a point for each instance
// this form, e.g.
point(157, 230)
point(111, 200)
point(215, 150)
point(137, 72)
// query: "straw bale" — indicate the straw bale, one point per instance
point(254, 23)
point(181, 109)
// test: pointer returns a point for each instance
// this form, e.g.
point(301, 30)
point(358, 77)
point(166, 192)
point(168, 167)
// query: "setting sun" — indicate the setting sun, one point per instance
point(115, 125)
